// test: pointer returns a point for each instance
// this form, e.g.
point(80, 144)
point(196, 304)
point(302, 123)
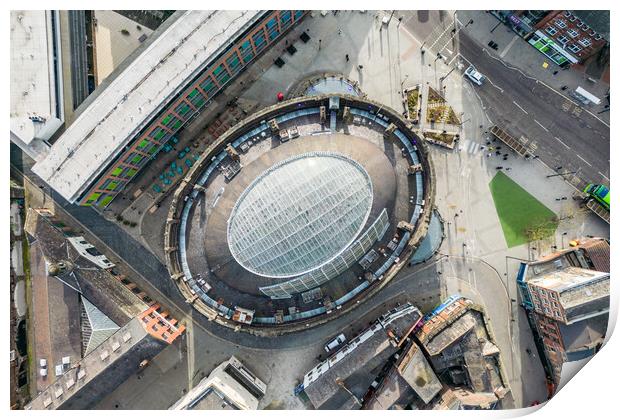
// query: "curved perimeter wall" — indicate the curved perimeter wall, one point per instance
point(174, 236)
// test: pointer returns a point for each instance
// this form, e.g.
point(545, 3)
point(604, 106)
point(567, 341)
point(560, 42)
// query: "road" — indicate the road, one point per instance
point(565, 134)
point(79, 63)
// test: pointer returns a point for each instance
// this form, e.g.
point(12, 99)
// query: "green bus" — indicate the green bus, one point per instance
point(598, 192)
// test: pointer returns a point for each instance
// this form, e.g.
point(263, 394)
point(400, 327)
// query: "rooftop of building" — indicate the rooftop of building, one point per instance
point(567, 278)
point(33, 92)
point(582, 292)
point(99, 286)
point(598, 20)
point(441, 318)
point(416, 370)
point(90, 366)
point(213, 400)
point(598, 252)
point(358, 362)
point(470, 399)
point(445, 400)
point(220, 391)
point(393, 391)
point(457, 336)
point(451, 334)
point(584, 335)
point(274, 234)
point(135, 95)
point(409, 379)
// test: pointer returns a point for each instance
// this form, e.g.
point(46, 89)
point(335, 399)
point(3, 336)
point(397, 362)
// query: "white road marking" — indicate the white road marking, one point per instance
point(564, 144)
point(520, 107)
point(543, 127)
point(603, 176)
point(494, 85)
point(510, 44)
point(570, 100)
point(544, 84)
point(584, 160)
point(402, 28)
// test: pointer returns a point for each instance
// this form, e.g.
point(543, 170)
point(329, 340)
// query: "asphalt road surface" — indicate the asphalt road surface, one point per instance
point(79, 63)
point(565, 134)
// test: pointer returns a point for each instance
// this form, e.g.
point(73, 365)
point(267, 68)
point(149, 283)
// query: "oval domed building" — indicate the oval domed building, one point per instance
point(299, 212)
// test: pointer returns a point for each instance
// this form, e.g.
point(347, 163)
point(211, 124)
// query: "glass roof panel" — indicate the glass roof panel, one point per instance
point(299, 214)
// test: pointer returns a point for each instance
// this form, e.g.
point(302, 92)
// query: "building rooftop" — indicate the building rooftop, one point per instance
point(457, 339)
point(135, 95)
point(451, 334)
point(446, 400)
point(81, 374)
point(230, 386)
point(99, 286)
point(360, 360)
point(596, 19)
point(582, 292)
point(394, 391)
point(417, 372)
point(33, 80)
point(585, 334)
point(214, 400)
point(567, 278)
point(598, 252)
point(470, 399)
point(300, 214)
point(411, 376)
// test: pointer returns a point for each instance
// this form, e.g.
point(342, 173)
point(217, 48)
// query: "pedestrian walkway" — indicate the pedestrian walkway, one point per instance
point(516, 52)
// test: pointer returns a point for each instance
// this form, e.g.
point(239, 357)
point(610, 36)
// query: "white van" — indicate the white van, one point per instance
point(335, 343)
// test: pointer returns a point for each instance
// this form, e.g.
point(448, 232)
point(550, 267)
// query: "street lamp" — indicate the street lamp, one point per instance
point(403, 82)
point(441, 79)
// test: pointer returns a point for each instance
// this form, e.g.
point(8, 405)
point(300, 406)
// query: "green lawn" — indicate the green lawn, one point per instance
point(522, 216)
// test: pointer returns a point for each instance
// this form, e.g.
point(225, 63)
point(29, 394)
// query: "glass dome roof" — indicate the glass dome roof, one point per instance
point(299, 214)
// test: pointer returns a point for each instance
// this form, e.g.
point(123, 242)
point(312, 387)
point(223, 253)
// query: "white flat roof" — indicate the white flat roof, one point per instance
point(103, 129)
point(581, 91)
point(32, 76)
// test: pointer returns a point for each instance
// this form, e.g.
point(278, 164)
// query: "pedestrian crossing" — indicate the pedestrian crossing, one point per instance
point(473, 148)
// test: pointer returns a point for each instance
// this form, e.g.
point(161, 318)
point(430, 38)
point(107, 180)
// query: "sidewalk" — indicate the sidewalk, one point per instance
point(516, 52)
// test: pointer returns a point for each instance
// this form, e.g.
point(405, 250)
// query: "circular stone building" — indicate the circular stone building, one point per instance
point(299, 212)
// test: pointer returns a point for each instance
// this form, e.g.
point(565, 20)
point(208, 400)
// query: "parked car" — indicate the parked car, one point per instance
point(336, 342)
point(43, 366)
point(474, 75)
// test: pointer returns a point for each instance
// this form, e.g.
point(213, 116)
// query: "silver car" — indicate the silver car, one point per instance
point(474, 75)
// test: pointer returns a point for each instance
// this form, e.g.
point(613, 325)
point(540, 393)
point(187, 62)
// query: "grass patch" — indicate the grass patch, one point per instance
point(522, 216)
